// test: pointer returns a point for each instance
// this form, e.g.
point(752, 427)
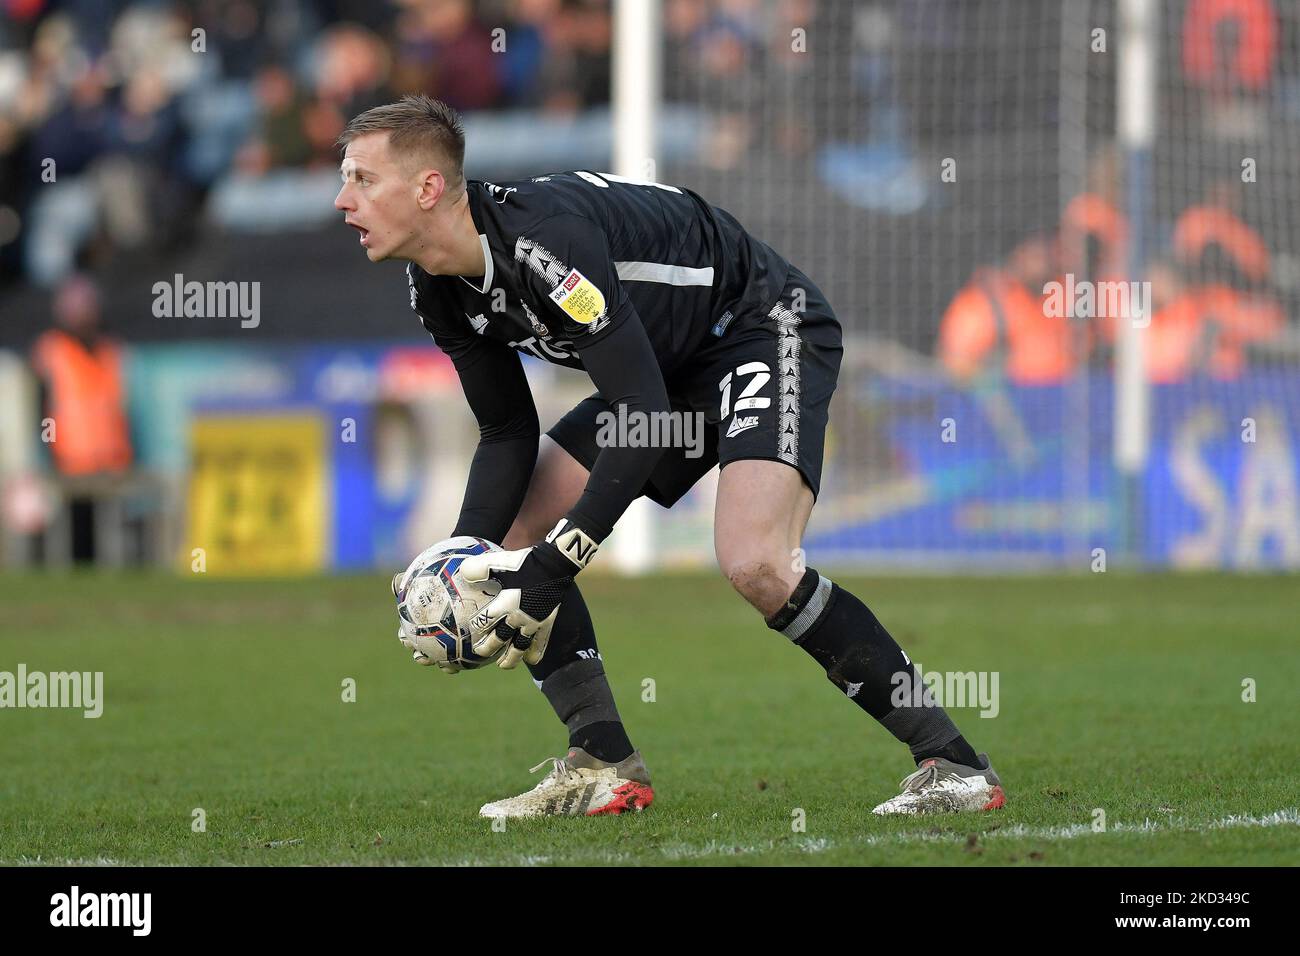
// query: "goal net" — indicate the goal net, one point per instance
point(956, 177)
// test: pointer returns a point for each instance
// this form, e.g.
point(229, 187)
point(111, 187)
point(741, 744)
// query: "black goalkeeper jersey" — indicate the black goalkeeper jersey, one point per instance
point(570, 256)
point(626, 280)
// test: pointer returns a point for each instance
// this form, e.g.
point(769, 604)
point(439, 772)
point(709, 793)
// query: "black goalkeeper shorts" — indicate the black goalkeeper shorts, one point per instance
point(764, 390)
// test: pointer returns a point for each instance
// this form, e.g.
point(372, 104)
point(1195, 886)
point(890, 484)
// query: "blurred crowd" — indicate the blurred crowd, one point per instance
point(127, 124)
point(746, 61)
point(1211, 295)
point(138, 108)
point(1058, 301)
point(121, 121)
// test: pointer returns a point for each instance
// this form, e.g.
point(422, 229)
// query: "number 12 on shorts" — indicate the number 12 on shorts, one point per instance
point(746, 399)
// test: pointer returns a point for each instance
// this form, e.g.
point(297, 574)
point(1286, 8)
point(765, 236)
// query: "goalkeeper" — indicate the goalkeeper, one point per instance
point(669, 305)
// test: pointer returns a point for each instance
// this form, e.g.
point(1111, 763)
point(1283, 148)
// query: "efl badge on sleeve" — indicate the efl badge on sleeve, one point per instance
point(579, 298)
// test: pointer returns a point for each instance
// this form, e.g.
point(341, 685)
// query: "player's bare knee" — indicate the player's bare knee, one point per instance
point(759, 581)
point(748, 576)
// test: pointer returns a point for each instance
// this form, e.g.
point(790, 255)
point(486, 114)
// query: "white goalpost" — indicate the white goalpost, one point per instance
point(1136, 103)
point(636, 99)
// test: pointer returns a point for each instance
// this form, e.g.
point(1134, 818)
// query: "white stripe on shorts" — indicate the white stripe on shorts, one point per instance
point(787, 358)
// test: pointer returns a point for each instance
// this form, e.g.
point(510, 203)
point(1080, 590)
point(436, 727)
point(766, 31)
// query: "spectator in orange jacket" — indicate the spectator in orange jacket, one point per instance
point(1094, 232)
point(997, 321)
point(1213, 241)
point(1228, 272)
point(1202, 329)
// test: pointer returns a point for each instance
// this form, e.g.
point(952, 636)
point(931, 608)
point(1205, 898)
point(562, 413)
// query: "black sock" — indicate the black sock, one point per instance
point(573, 637)
point(958, 751)
point(861, 659)
point(605, 740)
point(572, 676)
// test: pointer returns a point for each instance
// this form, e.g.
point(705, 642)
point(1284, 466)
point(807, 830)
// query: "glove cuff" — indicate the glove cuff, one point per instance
point(573, 544)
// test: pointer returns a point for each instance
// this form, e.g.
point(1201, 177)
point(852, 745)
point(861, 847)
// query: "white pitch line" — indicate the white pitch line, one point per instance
point(78, 861)
point(1016, 831)
point(687, 851)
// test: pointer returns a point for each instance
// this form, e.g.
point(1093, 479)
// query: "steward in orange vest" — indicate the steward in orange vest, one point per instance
point(998, 319)
point(84, 395)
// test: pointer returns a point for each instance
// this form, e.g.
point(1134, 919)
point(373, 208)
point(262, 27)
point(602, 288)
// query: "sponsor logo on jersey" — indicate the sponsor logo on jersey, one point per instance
point(547, 351)
point(579, 298)
point(479, 322)
point(739, 425)
point(540, 260)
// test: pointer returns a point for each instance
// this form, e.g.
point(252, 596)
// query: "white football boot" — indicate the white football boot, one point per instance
point(941, 786)
point(581, 785)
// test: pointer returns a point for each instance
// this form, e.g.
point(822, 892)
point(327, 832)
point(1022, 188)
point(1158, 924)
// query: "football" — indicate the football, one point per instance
point(435, 603)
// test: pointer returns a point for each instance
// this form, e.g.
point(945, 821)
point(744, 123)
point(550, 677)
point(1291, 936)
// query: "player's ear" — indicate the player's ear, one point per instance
point(431, 186)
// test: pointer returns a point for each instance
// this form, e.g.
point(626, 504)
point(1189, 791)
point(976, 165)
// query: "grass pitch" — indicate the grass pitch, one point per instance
point(1117, 694)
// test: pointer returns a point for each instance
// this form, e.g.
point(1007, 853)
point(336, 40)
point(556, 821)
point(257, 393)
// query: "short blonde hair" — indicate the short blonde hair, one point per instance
point(418, 127)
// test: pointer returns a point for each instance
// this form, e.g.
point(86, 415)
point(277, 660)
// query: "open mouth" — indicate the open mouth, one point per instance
point(365, 233)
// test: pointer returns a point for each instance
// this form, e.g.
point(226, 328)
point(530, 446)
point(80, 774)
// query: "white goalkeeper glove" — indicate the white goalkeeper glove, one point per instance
point(417, 655)
point(533, 584)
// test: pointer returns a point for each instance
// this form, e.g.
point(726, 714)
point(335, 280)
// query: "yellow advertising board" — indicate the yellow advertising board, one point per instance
point(259, 500)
